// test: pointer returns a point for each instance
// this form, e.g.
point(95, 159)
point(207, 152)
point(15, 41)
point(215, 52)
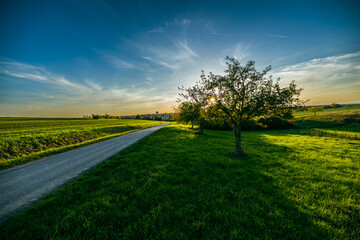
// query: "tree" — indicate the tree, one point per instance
point(138, 116)
point(242, 94)
point(335, 105)
point(315, 109)
point(189, 112)
point(196, 99)
point(215, 118)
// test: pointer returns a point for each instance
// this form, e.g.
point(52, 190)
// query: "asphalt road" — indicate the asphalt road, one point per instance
point(22, 186)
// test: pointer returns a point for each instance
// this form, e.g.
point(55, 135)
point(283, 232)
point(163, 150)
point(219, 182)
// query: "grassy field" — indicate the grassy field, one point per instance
point(327, 111)
point(26, 139)
point(329, 118)
point(176, 184)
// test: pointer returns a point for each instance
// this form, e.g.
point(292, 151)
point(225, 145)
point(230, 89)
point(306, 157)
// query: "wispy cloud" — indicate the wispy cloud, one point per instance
point(95, 86)
point(334, 77)
point(89, 94)
point(241, 51)
point(172, 57)
point(162, 63)
point(175, 23)
point(36, 73)
point(118, 63)
point(157, 30)
point(280, 36)
point(185, 21)
point(209, 26)
point(185, 50)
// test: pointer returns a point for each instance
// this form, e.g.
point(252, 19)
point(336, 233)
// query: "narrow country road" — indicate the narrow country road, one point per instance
point(25, 185)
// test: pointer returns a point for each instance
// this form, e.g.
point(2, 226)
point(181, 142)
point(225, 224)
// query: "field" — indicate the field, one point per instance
point(327, 111)
point(329, 118)
point(176, 184)
point(26, 139)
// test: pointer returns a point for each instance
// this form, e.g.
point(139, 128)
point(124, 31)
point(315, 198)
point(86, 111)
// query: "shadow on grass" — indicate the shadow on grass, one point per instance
point(172, 185)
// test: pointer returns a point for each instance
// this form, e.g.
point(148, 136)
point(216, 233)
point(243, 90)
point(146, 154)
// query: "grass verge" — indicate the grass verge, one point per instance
point(176, 184)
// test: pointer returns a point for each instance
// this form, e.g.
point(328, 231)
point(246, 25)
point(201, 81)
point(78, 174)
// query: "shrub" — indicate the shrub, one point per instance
point(275, 123)
point(251, 125)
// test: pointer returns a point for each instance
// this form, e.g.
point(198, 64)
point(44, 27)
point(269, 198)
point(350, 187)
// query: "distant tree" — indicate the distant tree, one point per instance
point(95, 116)
point(242, 94)
point(285, 113)
point(315, 109)
point(188, 112)
point(138, 116)
point(335, 105)
point(157, 118)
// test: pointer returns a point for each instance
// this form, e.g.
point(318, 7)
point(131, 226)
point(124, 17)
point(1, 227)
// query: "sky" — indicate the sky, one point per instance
point(70, 58)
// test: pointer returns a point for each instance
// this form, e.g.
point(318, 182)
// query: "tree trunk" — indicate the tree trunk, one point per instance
point(192, 125)
point(237, 133)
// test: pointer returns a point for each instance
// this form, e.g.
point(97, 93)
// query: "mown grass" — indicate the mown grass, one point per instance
point(176, 184)
point(26, 139)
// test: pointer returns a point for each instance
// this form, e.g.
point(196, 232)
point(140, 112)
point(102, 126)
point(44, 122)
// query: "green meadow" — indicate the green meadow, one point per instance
point(301, 183)
point(25, 139)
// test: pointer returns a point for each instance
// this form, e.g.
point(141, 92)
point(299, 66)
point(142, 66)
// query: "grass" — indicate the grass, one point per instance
point(350, 131)
point(330, 118)
point(175, 184)
point(327, 111)
point(25, 139)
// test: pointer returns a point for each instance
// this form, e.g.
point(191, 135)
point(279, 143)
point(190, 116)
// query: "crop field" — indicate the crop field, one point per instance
point(25, 139)
point(177, 184)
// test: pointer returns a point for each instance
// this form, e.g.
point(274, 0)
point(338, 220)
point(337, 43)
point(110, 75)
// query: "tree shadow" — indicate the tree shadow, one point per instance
point(256, 207)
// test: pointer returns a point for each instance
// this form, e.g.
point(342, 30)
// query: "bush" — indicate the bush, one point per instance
point(275, 123)
point(251, 125)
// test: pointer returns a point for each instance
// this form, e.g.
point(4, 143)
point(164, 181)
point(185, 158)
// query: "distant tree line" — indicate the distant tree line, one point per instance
point(156, 117)
point(99, 116)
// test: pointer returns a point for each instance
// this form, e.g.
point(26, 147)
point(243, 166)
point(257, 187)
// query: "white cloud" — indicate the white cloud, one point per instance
point(65, 93)
point(176, 23)
point(162, 63)
point(184, 50)
point(157, 30)
point(173, 57)
point(209, 26)
point(95, 86)
point(118, 63)
point(279, 36)
point(240, 51)
point(334, 77)
point(185, 21)
point(36, 73)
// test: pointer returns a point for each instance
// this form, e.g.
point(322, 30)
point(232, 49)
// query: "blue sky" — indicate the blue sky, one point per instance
point(74, 57)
